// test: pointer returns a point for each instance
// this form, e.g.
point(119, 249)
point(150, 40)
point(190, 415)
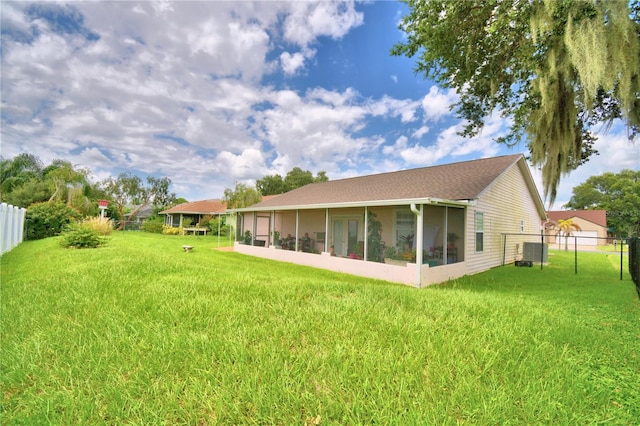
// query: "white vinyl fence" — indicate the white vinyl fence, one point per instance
point(11, 226)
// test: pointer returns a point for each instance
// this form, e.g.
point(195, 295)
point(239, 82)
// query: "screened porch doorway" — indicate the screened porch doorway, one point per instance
point(344, 233)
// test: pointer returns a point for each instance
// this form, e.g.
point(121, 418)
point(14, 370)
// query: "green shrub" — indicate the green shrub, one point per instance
point(205, 221)
point(102, 225)
point(44, 220)
point(224, 230)
point(213, 226)
point(170, 230)
point(154, 225)
point(81, 236)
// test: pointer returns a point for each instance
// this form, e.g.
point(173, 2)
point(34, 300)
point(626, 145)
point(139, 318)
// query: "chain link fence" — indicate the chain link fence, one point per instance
point(529, 249)
point(634, 261)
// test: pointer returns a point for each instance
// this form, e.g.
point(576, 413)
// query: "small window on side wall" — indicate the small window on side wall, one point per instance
point(479, 232)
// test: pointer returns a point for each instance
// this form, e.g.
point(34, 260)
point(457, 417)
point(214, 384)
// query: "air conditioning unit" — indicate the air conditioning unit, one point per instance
point(533, 252)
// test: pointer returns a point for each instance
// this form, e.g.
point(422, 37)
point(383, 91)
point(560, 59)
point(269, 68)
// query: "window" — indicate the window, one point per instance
point(479, 232)
point(405, 226)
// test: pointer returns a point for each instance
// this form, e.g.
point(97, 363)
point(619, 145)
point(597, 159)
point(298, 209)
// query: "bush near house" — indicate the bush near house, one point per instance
point(80, 236)
point(170, 230)
point(43, 220)
point(101, 225)
point(155, 225)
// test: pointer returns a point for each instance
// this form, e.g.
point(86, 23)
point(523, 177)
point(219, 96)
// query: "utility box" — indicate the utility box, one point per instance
point(532, 252)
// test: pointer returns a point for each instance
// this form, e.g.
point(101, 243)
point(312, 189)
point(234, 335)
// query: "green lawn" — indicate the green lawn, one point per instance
point(139, 332)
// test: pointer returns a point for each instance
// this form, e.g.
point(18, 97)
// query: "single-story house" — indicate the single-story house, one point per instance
point(190, 214)
point(416, 227)
point(145, 211)
point(593, 227)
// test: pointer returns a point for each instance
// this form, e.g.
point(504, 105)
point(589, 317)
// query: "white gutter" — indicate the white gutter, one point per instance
point(374, 203)
point(419, 241)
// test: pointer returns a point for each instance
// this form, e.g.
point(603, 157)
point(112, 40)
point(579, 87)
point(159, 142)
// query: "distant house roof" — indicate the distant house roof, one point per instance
point(212, 207)
point(199, 207)
point(599, 217)
point(145, 211)
point(451, 182)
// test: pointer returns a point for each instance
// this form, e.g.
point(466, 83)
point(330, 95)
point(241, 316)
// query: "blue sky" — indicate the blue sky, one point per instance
point(213, 93)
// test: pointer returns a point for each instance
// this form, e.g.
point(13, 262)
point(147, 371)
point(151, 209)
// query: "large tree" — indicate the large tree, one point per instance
point(295, 178)
point(270, 185)
point(25, 180)
point(17, 171)
point(618, 194)
point(128, 189)
point(61, 176)
point(553, 67)
point(241, 196)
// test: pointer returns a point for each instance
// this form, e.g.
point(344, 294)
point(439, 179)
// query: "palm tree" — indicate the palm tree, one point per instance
point(17, 171)
point(565, 228)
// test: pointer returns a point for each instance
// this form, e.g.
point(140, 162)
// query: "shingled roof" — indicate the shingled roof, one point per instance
point(599, 217)
point(455, 182)
point(199, 207)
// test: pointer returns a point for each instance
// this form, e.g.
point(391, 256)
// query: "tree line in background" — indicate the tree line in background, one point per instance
point(27, 182)
point(59, 194)
point(618, 194)
point(242, 195)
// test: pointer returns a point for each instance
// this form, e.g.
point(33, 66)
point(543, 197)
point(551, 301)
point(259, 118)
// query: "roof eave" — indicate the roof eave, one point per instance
point(349, 204)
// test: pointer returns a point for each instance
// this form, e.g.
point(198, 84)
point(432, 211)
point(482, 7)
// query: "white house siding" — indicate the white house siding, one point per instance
point(505, 203)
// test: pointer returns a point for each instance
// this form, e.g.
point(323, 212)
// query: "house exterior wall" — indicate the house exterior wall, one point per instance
point(507, 207)
point(510, 206)
point(584, 225)
point(400, 274)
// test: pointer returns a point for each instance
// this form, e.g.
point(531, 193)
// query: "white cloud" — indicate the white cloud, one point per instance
point(308, 20)
point(450, 144)
point(388, 106)
point(247, 165)
point(291, 63)
point(421, 132)
point(397, 147)
point(436, 104)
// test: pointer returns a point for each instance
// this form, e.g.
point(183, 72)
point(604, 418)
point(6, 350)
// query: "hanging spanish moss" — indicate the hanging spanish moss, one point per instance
point(587, 48)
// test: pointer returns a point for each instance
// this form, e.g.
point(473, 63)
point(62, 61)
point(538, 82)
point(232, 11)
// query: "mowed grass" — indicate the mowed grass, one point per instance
point(139, 332)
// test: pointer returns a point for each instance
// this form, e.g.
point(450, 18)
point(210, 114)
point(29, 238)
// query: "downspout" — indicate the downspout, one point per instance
point(366, 233)
point(419, 241)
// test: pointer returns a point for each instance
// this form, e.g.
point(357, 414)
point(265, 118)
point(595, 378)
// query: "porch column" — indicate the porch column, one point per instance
point(255, 227)
point(445, 236)
point(326, 230)
point(366, 232)
point(297, 222)
point(419, 241)
point(273, 230)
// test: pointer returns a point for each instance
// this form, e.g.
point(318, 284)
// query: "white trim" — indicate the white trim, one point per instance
point(374, 203)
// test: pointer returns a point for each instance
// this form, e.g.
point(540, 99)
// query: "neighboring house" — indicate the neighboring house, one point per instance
point(457, 213)
point(189, 214)
point(143, 214)
point(593, 225)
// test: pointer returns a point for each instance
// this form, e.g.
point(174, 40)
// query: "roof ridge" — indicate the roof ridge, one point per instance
point(417, 169)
